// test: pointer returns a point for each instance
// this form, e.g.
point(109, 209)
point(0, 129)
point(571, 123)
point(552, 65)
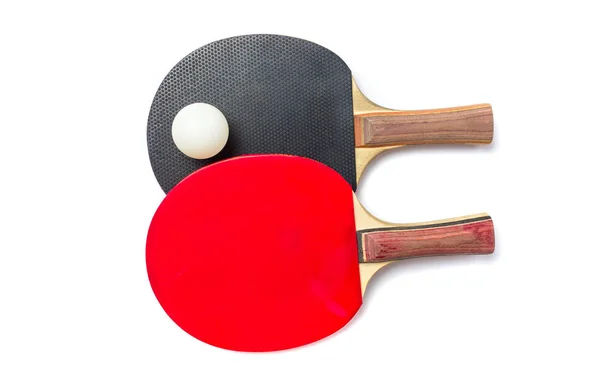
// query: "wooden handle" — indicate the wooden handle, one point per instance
point(460, 125)
point(462, 236)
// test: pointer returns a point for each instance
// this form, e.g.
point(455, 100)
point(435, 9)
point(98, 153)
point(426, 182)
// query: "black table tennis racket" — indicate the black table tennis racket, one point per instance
point(283, 95)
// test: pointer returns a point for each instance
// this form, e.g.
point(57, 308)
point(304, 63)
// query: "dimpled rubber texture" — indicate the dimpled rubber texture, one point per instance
point(280, 95)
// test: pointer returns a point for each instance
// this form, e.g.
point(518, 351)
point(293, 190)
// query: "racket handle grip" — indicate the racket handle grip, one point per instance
point(466, 235)
point(458, 125)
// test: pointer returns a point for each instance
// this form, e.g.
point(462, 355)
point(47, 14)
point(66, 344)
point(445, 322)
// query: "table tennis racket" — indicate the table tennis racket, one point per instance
point(283, 95)
point(270, 252)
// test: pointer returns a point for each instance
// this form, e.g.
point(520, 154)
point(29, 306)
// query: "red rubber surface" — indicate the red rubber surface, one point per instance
point(257, 253)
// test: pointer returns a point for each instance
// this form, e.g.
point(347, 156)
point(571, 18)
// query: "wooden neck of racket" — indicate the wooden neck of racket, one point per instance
point(376, 126)
point(380, 241)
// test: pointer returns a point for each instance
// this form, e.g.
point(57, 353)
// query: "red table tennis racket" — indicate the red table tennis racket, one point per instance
point(270, 252)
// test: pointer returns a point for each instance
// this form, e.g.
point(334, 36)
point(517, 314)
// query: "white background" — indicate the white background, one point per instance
point(77, 190)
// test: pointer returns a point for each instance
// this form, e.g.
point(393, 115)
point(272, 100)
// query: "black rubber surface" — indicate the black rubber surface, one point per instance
point(280, 95)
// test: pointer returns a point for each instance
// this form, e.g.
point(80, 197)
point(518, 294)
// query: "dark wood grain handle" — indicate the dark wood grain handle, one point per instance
point(460, 125)
point(469, 235)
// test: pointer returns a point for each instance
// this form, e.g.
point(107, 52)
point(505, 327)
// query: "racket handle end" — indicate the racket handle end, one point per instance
point(458, 125)
point(465, 235)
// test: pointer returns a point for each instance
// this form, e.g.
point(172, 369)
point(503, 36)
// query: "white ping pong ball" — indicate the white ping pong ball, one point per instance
point(200, 130)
